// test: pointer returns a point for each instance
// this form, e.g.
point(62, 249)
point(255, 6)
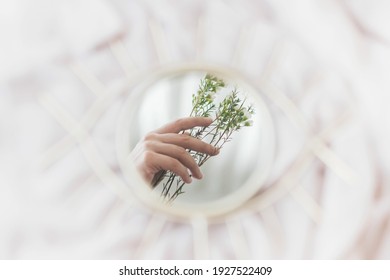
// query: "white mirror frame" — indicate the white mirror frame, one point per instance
point(216, 208)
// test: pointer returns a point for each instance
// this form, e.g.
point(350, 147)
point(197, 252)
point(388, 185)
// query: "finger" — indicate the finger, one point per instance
point(164, 162)
point(188, 142)
point(178, 153)
point(183, 124)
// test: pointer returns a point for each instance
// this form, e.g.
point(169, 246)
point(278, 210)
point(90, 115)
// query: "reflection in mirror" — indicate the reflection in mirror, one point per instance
point(233, 147)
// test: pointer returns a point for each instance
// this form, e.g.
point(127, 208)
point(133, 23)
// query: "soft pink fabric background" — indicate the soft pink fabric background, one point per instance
point(327, 57)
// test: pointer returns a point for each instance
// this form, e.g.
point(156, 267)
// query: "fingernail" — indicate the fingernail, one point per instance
point(189, 180)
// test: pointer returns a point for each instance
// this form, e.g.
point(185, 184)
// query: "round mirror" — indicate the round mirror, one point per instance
point(245, 154)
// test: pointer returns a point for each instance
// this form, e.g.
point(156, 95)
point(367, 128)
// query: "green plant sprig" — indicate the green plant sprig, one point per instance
point(231, 115)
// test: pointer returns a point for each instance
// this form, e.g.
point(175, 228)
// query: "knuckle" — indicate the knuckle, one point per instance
point(180, 123)
point(185, 138)
point(150, 136)
point(182, 153)
point(148, 145)
point(148, 157)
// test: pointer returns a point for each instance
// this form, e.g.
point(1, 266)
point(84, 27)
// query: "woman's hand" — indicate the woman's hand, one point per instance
point(165, 149)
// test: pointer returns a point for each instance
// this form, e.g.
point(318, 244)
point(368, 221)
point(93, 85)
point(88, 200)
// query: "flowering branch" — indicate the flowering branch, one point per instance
point(231, 114)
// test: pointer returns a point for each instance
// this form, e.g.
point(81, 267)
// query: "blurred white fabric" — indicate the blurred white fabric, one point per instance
point(328, 58)
point(37, 32)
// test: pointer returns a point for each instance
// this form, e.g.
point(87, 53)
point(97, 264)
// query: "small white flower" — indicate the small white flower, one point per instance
point(246, 113)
